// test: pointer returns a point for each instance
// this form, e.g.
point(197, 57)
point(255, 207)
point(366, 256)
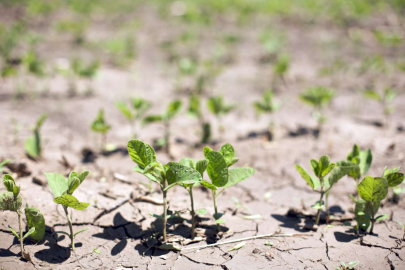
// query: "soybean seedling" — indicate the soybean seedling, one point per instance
point(321, 182)
point(99, 125)
point(134, 112)
point(268, 106)
point(218, 107)
point(145, 158)
point(348, 266)
point(188, 173)
point(195, 110)
point(281, 66)
point(385, 99)
point(33, 145)
point(172, 110)
point(318, 98)
point(62, 190)
point(12, 201)
point(86, 72)
point(373, 190)
point(221, 176)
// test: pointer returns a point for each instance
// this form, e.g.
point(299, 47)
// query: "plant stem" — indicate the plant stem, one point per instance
point(372, 217)
point(21, 232)
point(214, 195)
point(167, 136)
point(318, 214)
point(164, 211)
point(103, 141)
point(70, 228)
point(192, 213)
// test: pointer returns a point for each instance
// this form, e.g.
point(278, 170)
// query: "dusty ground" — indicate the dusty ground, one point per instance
point(120, 234)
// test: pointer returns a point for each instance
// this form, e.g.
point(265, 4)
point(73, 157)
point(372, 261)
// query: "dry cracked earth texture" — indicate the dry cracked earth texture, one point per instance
point(118, 219)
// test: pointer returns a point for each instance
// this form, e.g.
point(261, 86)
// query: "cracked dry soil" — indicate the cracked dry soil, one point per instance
point(118, 226)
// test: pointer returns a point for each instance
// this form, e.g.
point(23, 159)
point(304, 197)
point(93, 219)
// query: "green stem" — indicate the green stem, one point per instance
point(164, 211)
point(318, 214)
point(167, 137)
point(21, 232)
point(70, 228)
point(192, 213)
point(214, 195)
point(372, 217)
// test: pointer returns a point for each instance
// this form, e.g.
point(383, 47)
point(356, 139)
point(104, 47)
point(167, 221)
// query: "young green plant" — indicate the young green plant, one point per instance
point(321, 182)
point(145, 158)
point(195, 110)
point(134, 113)
point(403, 228)
point(318, 98)
point(11, 201)
point(33, 145)
point(99, 125)
point(62, 190)
point(347, 266)
point(385, 99)
point(267, 105)
point(217, 106)
point(221, 176)
point(188, 173)
point(166, 118)
point(372, 191)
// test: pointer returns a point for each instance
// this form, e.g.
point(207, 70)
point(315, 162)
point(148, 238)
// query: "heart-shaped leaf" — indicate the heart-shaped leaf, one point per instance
point(71, 201)
point(373, 189)
point(228, 152)
point(220, 221)
point(238, 175)
point(201, 211)
point(217, 169)
point(141, 153)
point(36, 220)
point(57, 183)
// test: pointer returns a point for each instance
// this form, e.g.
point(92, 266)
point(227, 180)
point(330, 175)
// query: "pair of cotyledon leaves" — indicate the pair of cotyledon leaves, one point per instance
point(324, 169)
point(12, 201)
point(62, 188)
point(189, 171)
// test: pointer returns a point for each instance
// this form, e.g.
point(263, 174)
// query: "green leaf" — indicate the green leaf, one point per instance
point(13, 231)
point(373, 189)
point(99, 124)
point(305, 175)
point(97, 251)
point(352, 264)
point(328, 170)
point(366, 158)
point(189, 162)
point(217, 169)
point(141, 153)
point(151, 119)
point(315, 166)
point(148, 175)
point(173, 108)
point(124, 110)
point(394, 179)
point(41, 121)
point(401, 224)
point(31, 231)
point(36, 220)
point(182, 174)
point(80, 231)
point(201, 211)
point(228, 153)
point(238, 246)
point(233, 161)
point(354, 154)
point(73, 184)
point(169, 247)
point(220, 221)
point(81, 176)
point(57, 183)
point(390, 171)
point(208, 185)
point(201, 166)
point(10, 201)
point(324, 162)
point(207, 150)
point(238, 175)
point(371, 94)
point(31, 147)
point(9, 182)
point(339, 172)
point(354, 172)
point(382, 217)
point(71, 201)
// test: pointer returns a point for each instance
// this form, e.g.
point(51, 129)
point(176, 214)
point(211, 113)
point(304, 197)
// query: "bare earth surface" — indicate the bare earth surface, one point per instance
point(120, 233)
